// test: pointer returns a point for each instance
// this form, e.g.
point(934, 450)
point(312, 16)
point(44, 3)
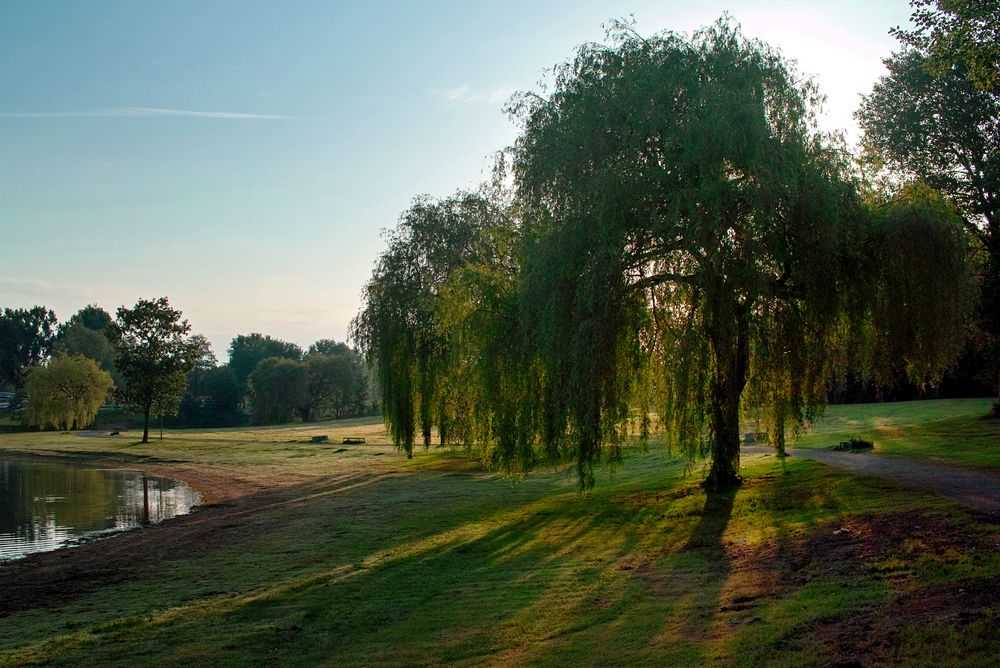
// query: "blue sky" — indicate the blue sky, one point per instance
point(241, 158)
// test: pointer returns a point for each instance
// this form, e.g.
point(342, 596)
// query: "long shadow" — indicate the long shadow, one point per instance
point(459, 581)
point(706, 541)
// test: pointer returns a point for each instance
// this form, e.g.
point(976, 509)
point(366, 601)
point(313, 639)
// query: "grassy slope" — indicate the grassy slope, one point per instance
point(953, 430)
point(378, 560)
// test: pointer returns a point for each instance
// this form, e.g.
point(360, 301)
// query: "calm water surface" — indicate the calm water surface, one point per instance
point(48, 505)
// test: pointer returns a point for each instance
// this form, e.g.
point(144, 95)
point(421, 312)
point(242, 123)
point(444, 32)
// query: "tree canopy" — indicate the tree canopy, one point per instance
point(90, 316)
point(278, 388)
point(943, 130)
point(336, 382)
point(67, 393)
point(963, 33)
point(154, 355)
point(247, 350)
point(85, 333)
point(695, 231)
point(26, 340)
point(403, 328)
point(678, 240)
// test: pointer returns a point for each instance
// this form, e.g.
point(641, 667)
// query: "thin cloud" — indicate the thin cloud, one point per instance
point(24, 292)
point(468, 94)
point(143, 112)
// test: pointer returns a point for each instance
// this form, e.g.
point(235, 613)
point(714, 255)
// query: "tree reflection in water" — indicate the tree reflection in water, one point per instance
point(48, 505)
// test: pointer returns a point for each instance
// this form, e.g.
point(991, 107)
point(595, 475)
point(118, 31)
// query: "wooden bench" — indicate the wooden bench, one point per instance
point(354, 440)
point(320, 439)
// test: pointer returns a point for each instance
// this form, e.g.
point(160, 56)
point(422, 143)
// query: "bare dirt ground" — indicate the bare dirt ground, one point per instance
point(976, 490)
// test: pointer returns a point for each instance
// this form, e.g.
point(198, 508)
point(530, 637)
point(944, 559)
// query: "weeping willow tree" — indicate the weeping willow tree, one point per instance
point(437, 260)
point(687, 245)
point(66, 393)
point(699, 242)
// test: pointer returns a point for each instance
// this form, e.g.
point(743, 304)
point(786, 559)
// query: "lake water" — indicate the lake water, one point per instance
point(48, 505)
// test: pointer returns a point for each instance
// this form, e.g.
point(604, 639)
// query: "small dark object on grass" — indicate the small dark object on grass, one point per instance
point(115, 433)
point(855, 444)
point(320, 439)
point(353, 440)
point(995, 411)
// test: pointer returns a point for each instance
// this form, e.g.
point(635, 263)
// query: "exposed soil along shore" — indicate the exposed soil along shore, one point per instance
point(55, 577)
point(49, 578)
point(229, 495)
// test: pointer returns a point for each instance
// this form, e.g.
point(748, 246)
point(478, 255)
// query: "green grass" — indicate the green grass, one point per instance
point(367, 558)
point(952, 430)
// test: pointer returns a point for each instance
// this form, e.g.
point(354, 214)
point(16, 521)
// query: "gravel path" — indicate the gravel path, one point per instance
point(978, 490)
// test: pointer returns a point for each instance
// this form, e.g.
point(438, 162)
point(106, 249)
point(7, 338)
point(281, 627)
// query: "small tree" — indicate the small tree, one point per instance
point(154, 356)
point(277, 389)
point(67, 393)
point(337, 380)
point(248, 350)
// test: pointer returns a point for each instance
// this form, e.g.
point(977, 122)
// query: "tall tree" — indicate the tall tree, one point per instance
point(336, 382)
point(204, 361)
point(278, 388)
point(329, 347)
point(90, 316)
point(946, 132)
point(957, 32)
point(247, 351)
point(697, 241)
point(26, 340)
point(85, 333)
point(154, 355)
point(67, 393)
point(400, 329)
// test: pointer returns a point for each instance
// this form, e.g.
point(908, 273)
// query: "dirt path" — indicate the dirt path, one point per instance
point(978, 490)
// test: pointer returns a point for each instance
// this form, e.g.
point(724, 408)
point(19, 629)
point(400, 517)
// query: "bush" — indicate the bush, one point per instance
point(855, 444)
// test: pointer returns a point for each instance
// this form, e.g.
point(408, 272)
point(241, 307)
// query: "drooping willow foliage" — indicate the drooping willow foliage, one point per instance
point(416, 307)
point(678, 241)
point(696, 232)
point(66, 393)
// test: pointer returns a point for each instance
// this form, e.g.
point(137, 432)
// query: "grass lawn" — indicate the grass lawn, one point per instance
point(345, 555)
point(954, 430)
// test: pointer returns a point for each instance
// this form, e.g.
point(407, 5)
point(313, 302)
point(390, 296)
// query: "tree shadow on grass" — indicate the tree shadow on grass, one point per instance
point(455, 570)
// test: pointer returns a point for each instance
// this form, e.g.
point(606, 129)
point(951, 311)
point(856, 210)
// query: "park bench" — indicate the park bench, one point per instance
point(323, 438)
point(353, 440)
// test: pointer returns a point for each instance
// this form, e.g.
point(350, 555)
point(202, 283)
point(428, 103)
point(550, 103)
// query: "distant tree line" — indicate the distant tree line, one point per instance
point(146, 361)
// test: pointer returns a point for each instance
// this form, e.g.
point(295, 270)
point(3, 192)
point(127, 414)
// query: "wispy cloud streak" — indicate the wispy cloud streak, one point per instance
point(143, 112)
point(468, 94)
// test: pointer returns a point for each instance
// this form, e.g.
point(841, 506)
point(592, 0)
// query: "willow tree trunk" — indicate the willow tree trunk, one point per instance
point(730, 353)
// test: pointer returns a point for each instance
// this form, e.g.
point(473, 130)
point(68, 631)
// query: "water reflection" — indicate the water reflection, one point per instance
point(47, 505)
